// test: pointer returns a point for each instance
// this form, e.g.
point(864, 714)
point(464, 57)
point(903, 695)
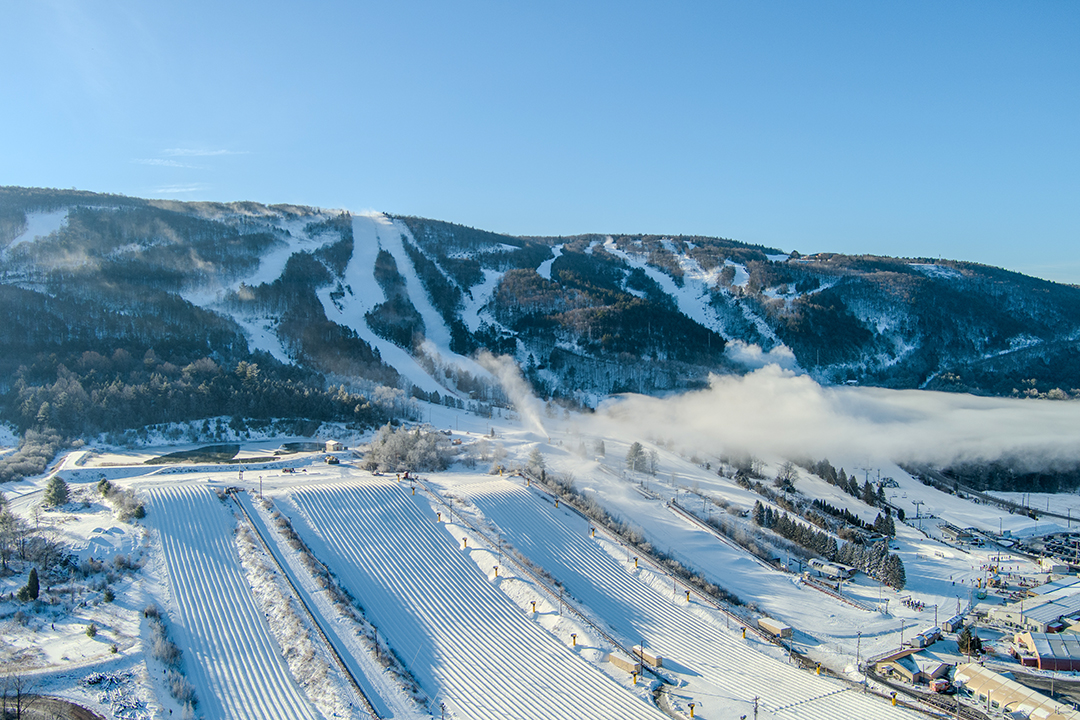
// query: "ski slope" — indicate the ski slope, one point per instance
point(687, 635)
point(466, 642)
point(370, 232)
point(692, 297)
point(229, 655)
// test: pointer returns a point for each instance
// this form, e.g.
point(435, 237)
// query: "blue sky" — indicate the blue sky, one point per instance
point(924, 129)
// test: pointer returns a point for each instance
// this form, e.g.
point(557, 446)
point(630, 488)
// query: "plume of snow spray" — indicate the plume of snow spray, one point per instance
point(507, 372)
point(775, 412)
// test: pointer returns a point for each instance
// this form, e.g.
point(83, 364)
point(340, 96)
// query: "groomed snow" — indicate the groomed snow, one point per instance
point(468, 644)
point(480, 296)
point(693, 297)
point(229, 653)
point(544, 270)
point(726, 672)
point(362, 293)
point(40, 225)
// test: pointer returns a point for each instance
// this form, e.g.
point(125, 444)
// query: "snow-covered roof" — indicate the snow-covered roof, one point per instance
point(1071, 581)
point(1011, 695)
point(1051, 610)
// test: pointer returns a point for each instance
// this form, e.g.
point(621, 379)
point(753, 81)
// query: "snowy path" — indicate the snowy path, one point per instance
point(464, 640)
point(691, 636)
point(693, 297)
point(40, 225)
point(229, 654)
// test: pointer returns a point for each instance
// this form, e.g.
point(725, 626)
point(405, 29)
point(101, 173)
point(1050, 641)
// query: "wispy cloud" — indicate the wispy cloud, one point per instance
point(200, 152)
point(181, 189)
point(162, 162)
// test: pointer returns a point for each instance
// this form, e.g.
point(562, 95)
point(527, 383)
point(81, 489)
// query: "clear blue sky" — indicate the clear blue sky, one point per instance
point(918, 128)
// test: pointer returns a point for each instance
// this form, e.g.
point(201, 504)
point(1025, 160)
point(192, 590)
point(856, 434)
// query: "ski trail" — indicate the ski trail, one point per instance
point(362, 293)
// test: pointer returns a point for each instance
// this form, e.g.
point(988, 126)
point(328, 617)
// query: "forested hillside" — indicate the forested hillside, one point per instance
point(121, 312)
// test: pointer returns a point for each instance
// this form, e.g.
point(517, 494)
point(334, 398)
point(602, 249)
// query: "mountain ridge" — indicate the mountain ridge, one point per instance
point(373, 300)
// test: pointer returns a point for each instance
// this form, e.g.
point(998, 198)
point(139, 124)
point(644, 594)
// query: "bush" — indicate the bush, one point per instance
point(125, 502)
point(91, 630)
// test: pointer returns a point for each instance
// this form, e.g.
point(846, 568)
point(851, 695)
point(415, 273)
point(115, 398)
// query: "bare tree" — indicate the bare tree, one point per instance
point(18, 694)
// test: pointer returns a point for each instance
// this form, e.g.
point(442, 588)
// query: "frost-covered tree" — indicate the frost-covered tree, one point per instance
point(56, 492)
point(536, 461)
point(893, 573)
point(637, 459)
point(785, 477)
point(400, 449)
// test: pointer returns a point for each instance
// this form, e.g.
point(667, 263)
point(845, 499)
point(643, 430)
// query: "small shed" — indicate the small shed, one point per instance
point(912, 666)
point(646, 656)
point(334, 446)
point(774, 627)
point(630, 666)
point(953, 624)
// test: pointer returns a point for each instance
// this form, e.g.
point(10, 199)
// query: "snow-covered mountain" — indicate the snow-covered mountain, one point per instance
point(375, 300)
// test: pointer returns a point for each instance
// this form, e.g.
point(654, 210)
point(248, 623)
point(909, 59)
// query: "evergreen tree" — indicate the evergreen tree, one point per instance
point(968, 642)
point(32, 587)
point(893, 573)
point(56, 492)
point(759, 513)
point(868, 495)
point(30, 590)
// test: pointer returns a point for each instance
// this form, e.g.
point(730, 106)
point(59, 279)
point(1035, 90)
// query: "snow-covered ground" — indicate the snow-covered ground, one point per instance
point(472, 639)
point(723, 672)
point(39, 225)
point(544, 270)
point(230, 656)
point(466, 642)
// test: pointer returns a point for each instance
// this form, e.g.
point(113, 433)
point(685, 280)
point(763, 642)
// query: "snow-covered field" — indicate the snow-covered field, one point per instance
point(467, 643)
point(230, 656)
point(723, 671)
point(470, 639)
